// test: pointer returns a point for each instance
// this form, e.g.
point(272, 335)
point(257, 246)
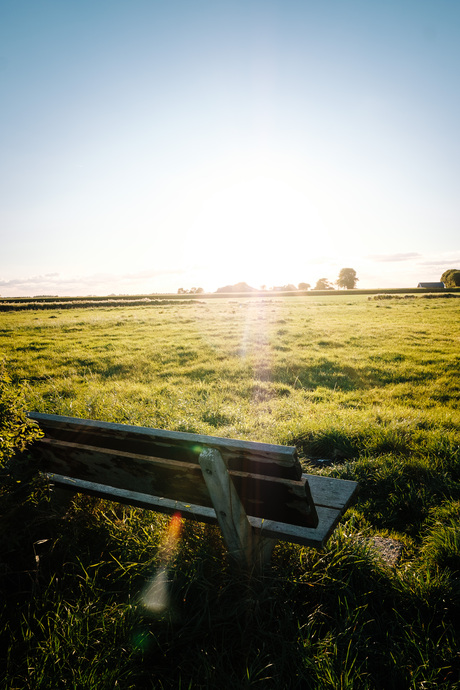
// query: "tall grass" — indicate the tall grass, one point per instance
point(367, 390)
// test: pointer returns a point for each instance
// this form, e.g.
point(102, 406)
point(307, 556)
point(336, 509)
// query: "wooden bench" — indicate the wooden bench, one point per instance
point(256, 492)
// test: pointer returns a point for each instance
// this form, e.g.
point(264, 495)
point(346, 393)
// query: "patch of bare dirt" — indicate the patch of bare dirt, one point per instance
point(389, 550)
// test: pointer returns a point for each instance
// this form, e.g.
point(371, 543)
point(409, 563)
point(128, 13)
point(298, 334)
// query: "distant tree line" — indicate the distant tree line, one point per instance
point(192, 291)
point(347, 280)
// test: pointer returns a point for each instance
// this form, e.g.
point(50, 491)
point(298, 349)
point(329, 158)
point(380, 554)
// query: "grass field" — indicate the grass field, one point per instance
point(366, 389)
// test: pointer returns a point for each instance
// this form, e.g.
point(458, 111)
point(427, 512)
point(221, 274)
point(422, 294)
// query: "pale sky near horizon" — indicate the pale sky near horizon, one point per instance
point(147, 146)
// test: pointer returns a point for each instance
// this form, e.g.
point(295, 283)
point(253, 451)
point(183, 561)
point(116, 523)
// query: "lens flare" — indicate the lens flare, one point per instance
point(155, 595)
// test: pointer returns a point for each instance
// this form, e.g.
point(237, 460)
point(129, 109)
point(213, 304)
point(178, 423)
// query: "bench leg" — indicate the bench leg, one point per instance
point(231, 515)
point(246, 546)
point(61, 498)
point(262, 548)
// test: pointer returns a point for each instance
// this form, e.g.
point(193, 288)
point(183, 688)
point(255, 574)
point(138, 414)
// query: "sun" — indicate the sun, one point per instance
point(258, 225)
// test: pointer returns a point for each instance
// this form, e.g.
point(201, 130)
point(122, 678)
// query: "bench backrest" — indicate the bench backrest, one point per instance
point(268, 478)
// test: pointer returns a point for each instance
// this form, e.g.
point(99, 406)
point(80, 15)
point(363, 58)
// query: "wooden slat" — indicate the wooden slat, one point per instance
point(297, 506)
point(331, 492)
point(306, 536)
point(270, 497)
point(134, 498)
point(249, 456)
point(328, 519)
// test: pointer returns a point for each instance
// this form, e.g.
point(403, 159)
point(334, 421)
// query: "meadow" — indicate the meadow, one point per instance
point(365, 388)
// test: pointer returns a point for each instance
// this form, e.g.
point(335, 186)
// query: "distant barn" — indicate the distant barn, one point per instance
point(432, 286)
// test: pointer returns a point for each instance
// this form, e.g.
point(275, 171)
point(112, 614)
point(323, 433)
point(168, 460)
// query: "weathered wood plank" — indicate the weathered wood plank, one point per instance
point(138, 499)
point(249, 456)
point(299, 508)
point(331, 492)
point(328, 519)
point(270, 497)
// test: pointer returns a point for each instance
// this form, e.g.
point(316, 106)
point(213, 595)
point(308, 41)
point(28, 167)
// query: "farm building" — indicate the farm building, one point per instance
point(436, 286)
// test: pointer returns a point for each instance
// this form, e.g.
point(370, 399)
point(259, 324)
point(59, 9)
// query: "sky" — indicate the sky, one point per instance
point(148, 146)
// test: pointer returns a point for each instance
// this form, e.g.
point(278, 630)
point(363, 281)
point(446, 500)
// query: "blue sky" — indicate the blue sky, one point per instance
point(147, 146)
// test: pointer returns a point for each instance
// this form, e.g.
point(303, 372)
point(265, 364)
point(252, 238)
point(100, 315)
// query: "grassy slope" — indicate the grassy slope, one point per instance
point(370, 385)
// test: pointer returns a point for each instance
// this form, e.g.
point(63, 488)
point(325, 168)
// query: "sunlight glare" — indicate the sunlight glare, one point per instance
point(257, 225)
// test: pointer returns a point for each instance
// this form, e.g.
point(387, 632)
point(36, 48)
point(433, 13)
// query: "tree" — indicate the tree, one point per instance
point(451, 278)
point(323, 284)
point(347, 279)
point(284, 288)
point(192, 291)
point(304, 286)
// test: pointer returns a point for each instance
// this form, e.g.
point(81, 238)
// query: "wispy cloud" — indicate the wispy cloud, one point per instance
point(99, 283)
point(407, 256)
point(48, 278)
point(442, 262)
